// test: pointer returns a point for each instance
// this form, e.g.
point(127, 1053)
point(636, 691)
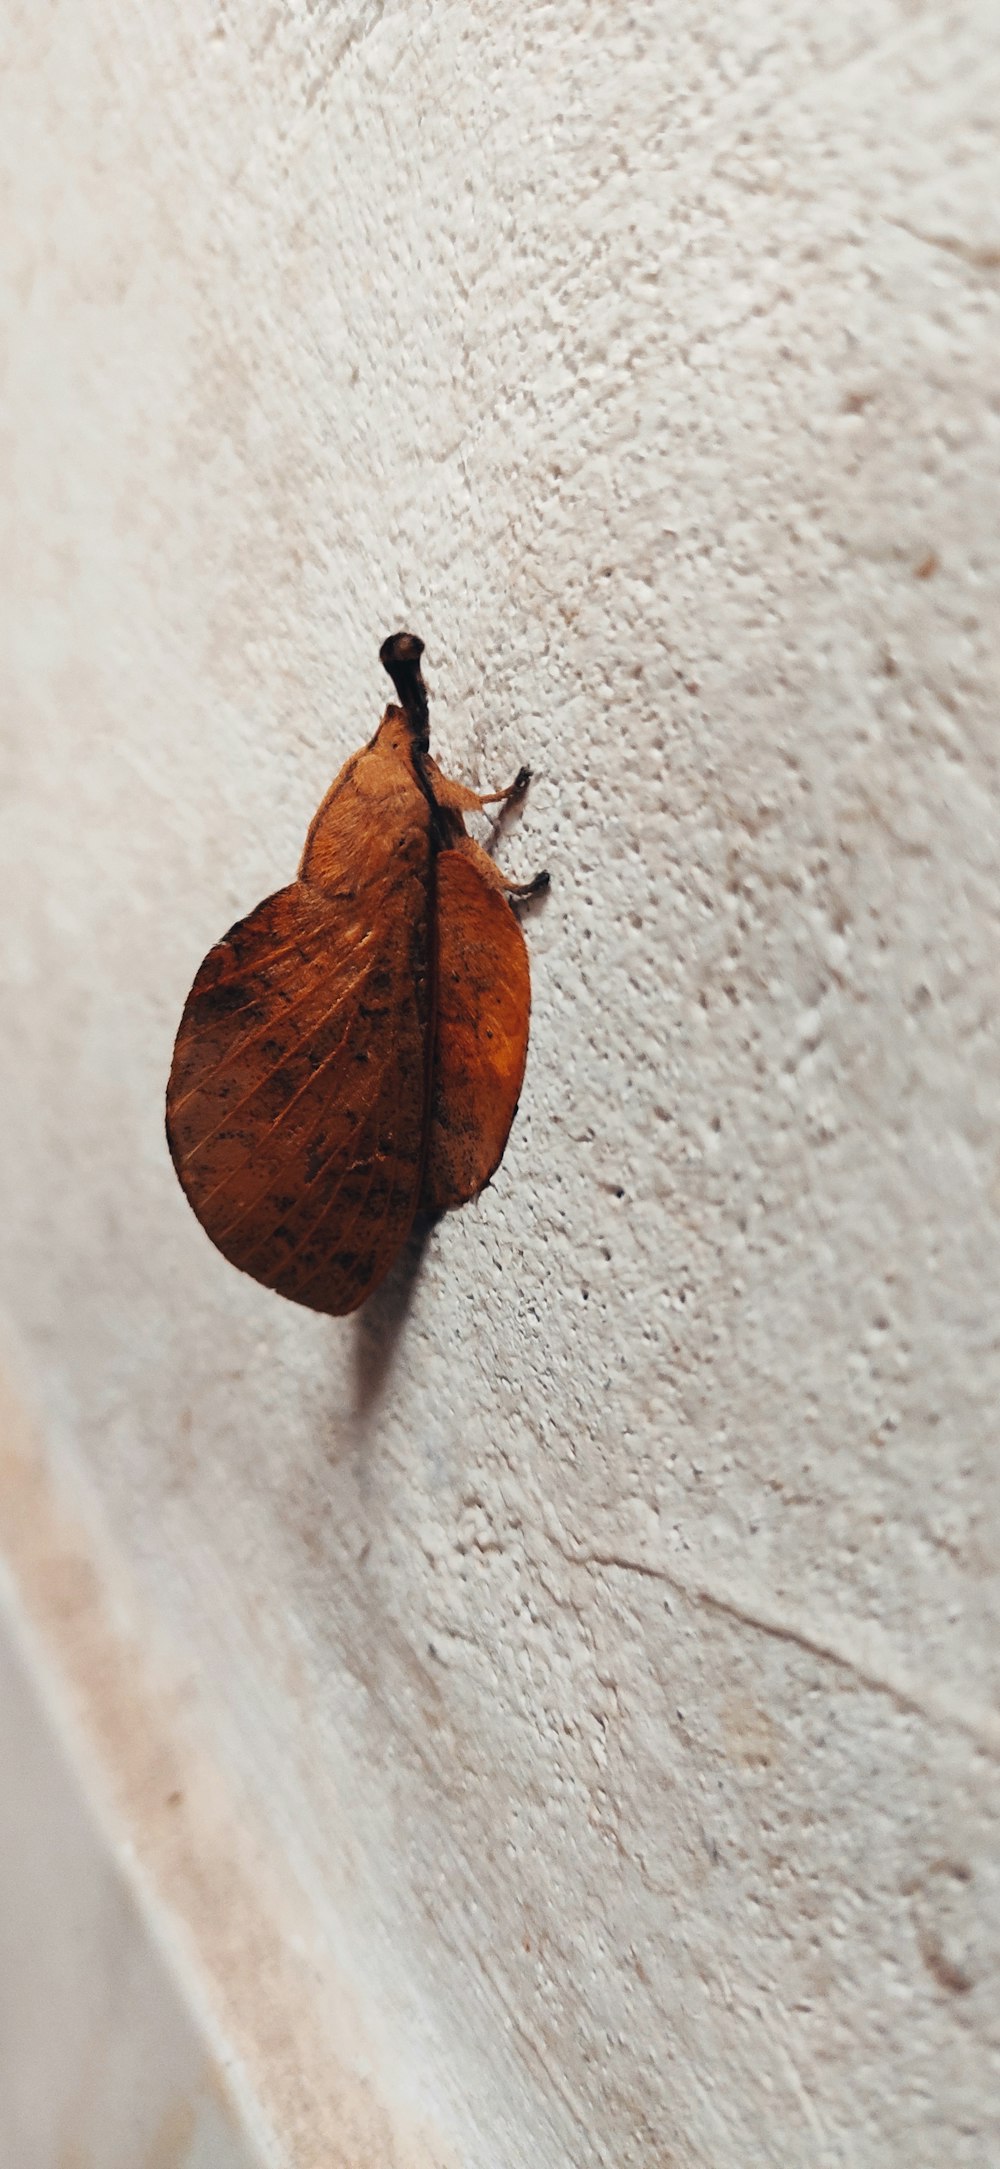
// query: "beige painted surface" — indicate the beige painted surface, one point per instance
point(104, 2062)
point(595, 1645)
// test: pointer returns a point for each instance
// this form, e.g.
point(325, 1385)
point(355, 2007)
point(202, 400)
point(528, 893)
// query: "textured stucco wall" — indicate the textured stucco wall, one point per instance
point(599, 1637)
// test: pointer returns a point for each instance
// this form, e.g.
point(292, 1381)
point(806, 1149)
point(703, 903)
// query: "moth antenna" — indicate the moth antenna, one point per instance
point(400, 656)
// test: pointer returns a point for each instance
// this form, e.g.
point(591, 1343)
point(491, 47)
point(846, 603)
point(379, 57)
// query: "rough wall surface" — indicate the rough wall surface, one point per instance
point(601, 1632)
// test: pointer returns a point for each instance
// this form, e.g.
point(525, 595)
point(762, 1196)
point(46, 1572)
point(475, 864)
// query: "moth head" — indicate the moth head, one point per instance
point(400, 653)
point(400, 656)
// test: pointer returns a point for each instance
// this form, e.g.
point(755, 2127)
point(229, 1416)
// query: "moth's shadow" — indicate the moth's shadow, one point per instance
point(378, 1328)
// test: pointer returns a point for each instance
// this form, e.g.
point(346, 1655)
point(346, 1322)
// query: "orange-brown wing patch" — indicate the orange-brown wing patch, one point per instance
point(295, 1110)
point(373, 816)
point(483, 998)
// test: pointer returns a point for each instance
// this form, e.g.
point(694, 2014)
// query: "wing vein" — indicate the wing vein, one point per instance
point(234, 1055)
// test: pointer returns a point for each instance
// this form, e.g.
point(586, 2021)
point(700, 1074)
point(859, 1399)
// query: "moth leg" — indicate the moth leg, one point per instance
point(459, 798)
point(490, 873)
point(513, 790)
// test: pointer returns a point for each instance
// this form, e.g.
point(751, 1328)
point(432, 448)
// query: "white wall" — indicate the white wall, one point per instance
point(597, 1641)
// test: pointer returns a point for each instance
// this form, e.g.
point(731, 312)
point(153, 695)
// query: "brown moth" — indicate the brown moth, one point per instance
point(352, 1052)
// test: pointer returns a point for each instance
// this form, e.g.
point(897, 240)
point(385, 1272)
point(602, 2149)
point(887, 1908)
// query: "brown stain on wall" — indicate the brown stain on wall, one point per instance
point(197, 1855)
point(749, 1733)
point(945, 1908)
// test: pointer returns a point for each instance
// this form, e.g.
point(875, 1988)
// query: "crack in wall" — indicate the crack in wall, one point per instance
point(979, 257)
point(879, 1671)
